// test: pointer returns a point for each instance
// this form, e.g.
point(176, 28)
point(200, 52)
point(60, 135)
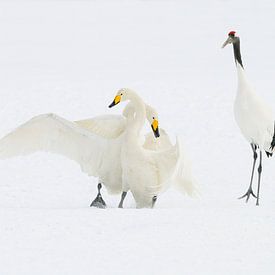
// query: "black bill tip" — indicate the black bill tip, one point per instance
point(156, 132)
point(112, 104)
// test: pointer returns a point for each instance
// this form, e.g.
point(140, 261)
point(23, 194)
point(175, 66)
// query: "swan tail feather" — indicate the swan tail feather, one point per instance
point(184, 180)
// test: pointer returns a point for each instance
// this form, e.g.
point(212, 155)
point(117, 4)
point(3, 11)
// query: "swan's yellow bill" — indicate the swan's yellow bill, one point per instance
point(155, 125)
point(155, 128)
point(115, 101)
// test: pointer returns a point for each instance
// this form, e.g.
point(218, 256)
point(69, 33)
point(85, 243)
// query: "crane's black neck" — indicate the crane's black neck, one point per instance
point(237, 51)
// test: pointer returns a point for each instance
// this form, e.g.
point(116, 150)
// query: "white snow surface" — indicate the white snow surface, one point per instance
point(70, 58)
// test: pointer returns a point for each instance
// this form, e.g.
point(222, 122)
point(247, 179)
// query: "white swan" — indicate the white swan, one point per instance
point(145, 172)
point(113, 127)
point(90, 142)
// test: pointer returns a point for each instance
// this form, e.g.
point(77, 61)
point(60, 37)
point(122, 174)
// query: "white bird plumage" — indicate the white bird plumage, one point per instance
point(92, 143)
point(95, 144)
point(253, 116)
point(183, 179)
point(145, 172)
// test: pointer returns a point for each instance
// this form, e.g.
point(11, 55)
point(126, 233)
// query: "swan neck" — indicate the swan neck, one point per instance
point(139, 119)
point(129, 110)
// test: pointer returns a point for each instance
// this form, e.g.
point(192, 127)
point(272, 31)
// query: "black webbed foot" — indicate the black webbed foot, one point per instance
point(98, 202)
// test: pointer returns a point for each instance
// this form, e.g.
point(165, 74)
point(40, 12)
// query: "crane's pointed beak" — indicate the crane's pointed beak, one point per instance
point(155, 128)
point(228, 41)
point(115, 101)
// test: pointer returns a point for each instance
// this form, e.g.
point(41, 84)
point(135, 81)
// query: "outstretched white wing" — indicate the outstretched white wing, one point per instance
point(107, 126)
point(164, 163)
point(52, 133)
point(173, 164)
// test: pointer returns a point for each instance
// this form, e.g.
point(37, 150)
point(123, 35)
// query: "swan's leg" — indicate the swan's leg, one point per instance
point(123, 195)
point(250, 191)
point(98, 201)
point(154, 199)
point(259, 178)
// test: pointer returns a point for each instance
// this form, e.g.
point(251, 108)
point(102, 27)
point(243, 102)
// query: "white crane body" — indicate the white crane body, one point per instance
point(253, 116)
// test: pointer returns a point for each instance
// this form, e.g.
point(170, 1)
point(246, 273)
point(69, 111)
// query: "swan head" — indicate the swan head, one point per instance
point(152, 117)
point(122, 95)
point(231, 39)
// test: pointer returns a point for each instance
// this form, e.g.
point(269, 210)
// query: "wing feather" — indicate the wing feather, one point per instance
point(164, 163)
point(107, 126)
point(173, 168)
point(54, 134)
point(183, 179)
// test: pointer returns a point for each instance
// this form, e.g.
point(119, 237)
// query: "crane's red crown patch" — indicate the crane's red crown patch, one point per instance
point(232, 33)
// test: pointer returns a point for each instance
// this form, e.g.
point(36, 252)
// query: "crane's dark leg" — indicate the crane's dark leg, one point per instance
point(123, 195)
point(154, 199)
point(259, 178)
point(98, 201)
point(250, 191)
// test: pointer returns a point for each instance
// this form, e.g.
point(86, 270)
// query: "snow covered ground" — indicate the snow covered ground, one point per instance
point(70, 58)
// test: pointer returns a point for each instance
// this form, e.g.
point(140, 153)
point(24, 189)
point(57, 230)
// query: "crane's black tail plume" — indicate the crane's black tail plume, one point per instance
point(273, 140)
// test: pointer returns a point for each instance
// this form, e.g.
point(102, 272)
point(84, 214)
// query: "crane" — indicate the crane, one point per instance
point(253, 116)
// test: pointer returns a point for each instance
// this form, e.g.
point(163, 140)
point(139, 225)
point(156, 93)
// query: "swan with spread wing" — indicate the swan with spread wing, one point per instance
point(92, 143)
point(95, 144)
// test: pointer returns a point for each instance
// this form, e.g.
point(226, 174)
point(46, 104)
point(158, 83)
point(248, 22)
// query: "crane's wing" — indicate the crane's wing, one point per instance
point(52, 133)
point(107, 126)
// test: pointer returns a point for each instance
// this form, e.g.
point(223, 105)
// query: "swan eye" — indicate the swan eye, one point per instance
point(121, 94)
point(153, 117)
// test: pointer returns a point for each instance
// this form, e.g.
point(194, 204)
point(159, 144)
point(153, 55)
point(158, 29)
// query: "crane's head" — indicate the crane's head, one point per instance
point(231, 39)
point(152, 117)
